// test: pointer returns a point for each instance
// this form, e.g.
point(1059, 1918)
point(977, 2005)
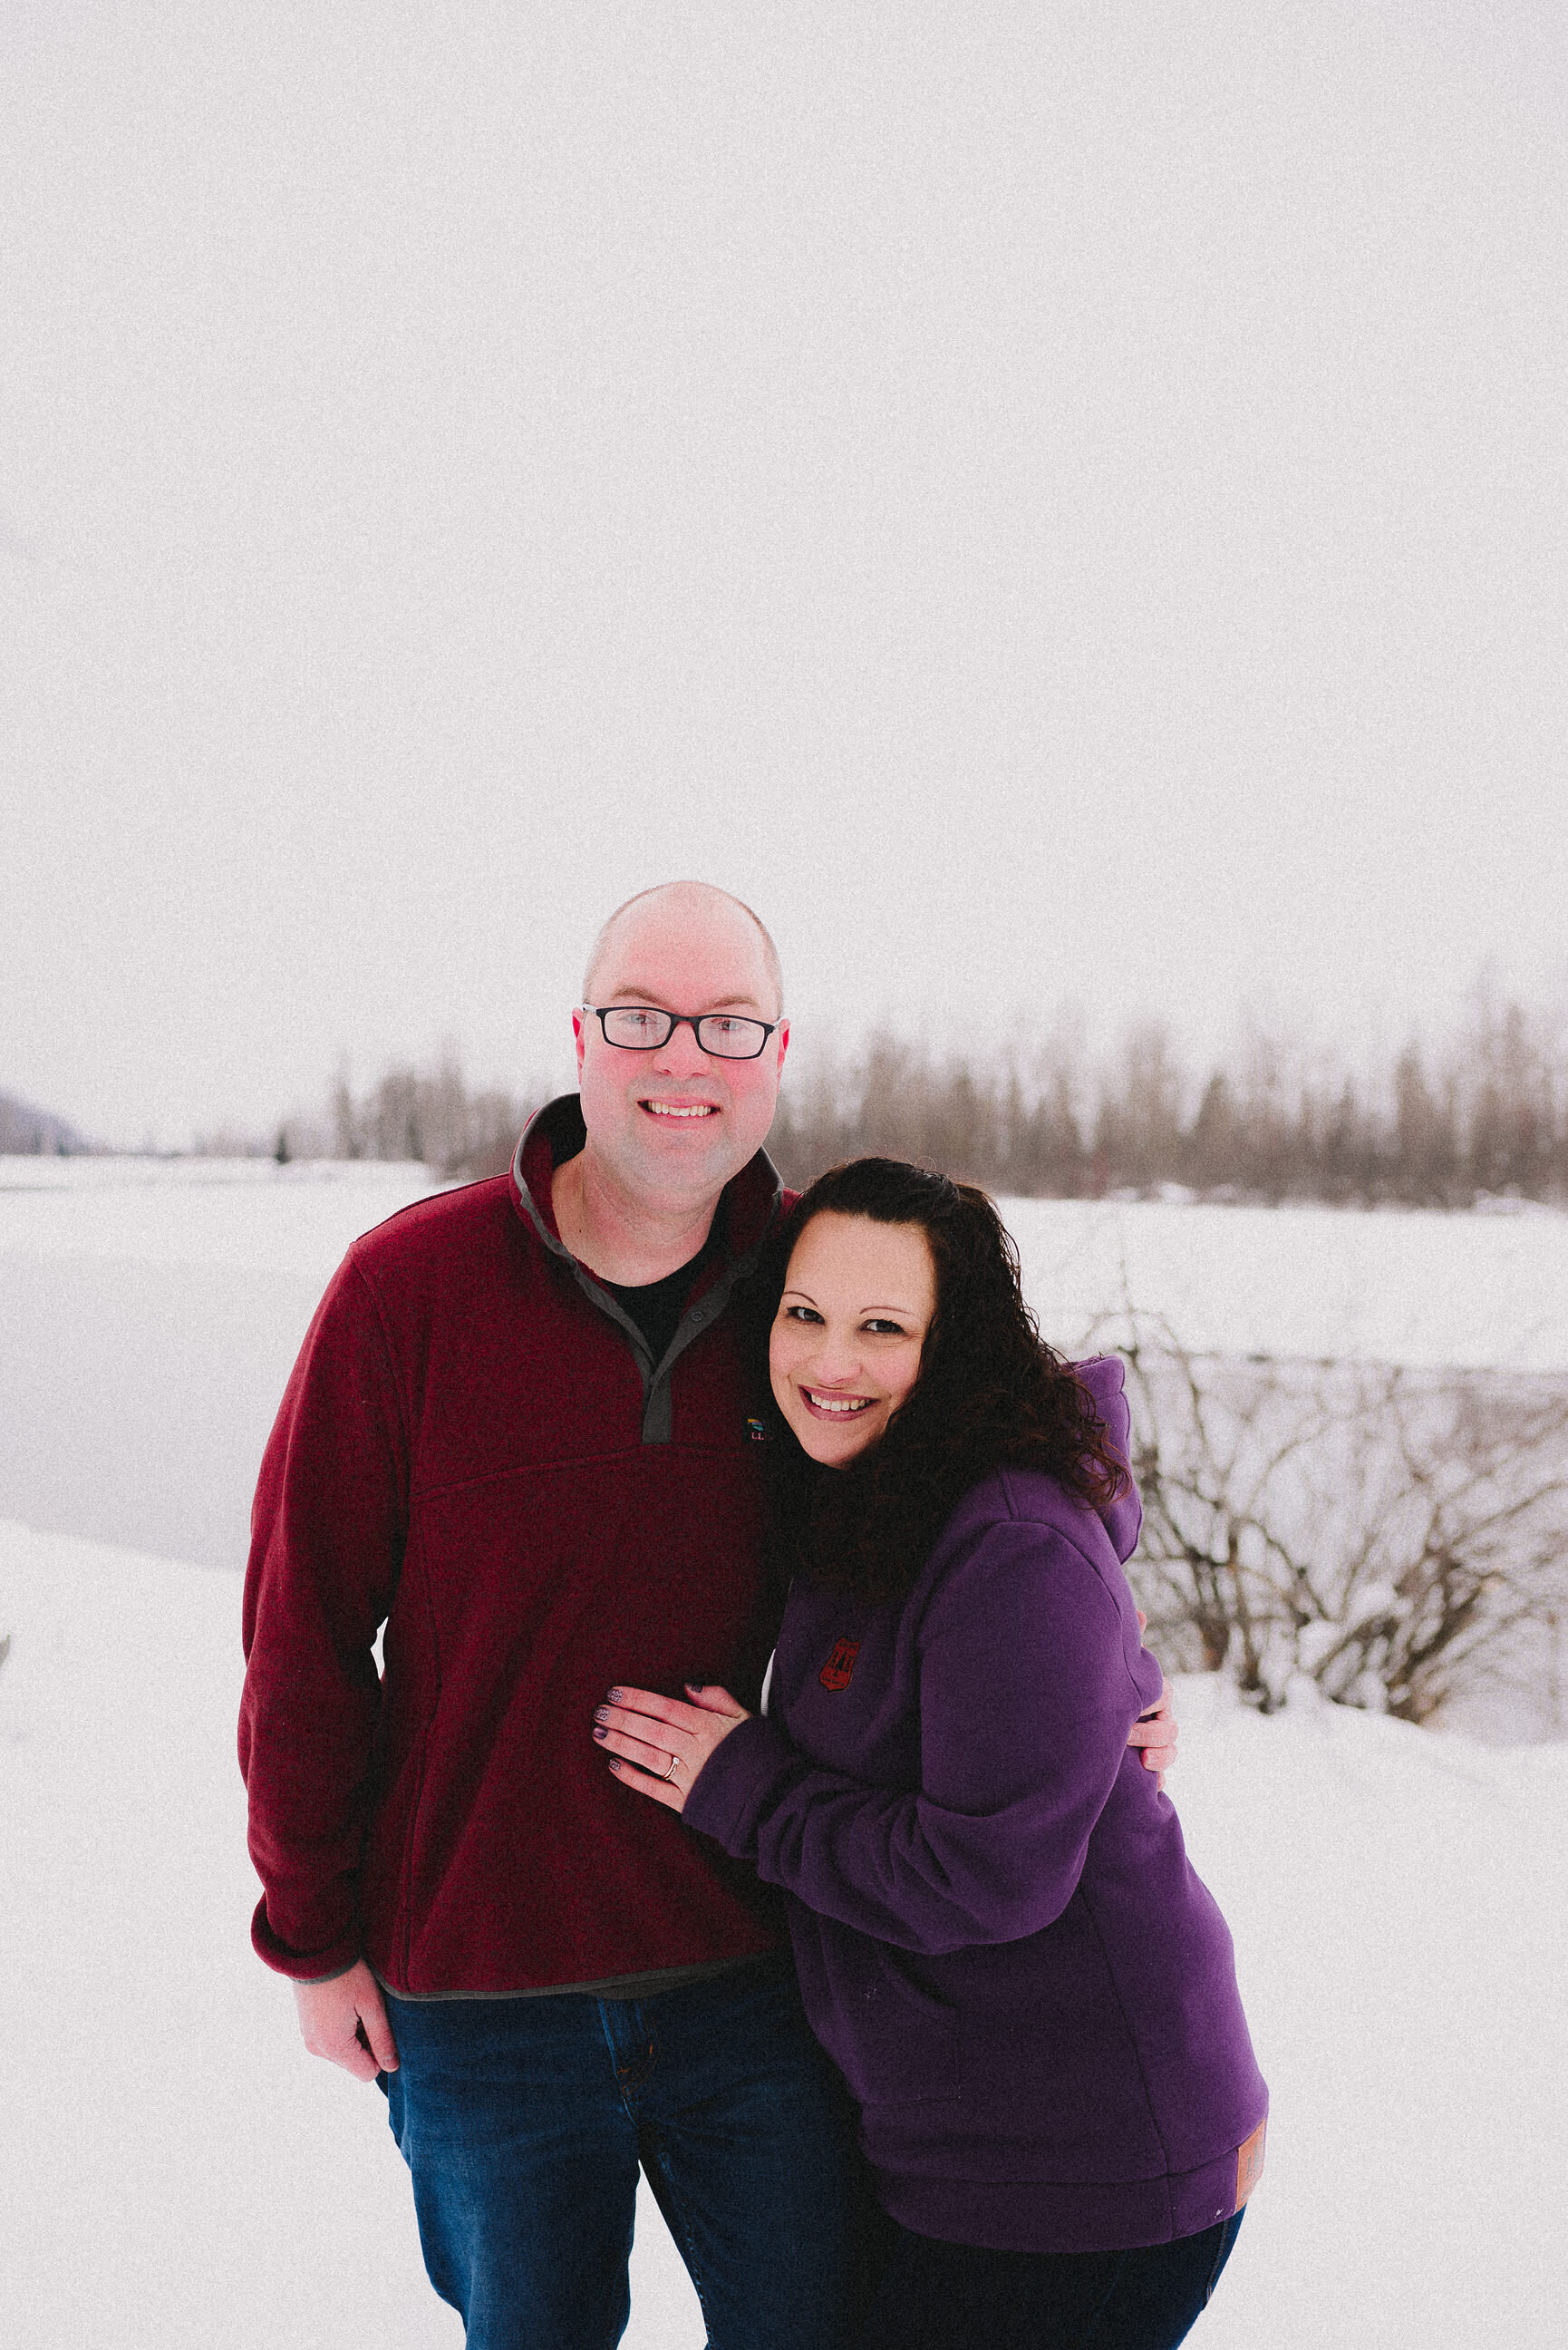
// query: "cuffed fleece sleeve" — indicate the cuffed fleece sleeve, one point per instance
point(1031, 1677)
point(327, 1532)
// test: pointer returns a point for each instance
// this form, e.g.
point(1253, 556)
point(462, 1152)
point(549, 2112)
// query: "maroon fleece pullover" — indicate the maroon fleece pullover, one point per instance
point(475, 1448)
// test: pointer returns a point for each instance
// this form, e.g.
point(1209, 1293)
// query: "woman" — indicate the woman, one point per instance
point(999, 1937)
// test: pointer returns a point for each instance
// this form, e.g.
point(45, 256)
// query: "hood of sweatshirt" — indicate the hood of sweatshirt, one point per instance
point(1106, 1378)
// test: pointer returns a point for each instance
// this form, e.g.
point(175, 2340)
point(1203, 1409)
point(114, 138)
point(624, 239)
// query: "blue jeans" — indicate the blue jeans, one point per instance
point(937, 2296)
point(524, 2123)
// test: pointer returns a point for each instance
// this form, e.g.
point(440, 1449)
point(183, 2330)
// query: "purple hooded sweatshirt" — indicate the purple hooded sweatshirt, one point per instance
point(1000, 1938)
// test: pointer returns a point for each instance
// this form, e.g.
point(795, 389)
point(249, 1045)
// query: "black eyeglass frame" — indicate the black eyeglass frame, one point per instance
point(695, 1021)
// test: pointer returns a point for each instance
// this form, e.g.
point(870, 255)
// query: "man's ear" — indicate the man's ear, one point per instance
point(579, 1040)
point(783, 1046)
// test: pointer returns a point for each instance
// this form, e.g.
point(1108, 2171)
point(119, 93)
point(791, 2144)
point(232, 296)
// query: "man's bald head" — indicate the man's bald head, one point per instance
point(679, 902)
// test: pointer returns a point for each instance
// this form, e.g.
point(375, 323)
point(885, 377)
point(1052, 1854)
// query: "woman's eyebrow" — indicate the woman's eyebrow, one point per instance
point(794, 1291)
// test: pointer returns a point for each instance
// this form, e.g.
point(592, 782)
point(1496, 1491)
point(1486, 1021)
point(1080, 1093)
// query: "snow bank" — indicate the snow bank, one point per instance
point(175, 2172)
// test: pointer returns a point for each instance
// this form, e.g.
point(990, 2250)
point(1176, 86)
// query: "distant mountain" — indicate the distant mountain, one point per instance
point(33, 1132)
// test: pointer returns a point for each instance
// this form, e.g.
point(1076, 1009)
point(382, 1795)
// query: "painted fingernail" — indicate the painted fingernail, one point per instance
point(600, 1732)
point(601, 1713)
point(616, 1696)
point(614, 1766)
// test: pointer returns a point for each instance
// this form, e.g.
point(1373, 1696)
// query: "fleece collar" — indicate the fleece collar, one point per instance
point(748, 1203)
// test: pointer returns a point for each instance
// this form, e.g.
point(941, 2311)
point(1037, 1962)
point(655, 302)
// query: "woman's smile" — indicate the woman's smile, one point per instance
point(833, 1406)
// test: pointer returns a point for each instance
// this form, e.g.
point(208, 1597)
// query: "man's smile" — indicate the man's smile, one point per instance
point(679, 1109)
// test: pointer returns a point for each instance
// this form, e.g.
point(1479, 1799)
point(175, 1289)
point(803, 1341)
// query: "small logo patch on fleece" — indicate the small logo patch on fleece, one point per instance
point(840, 1666)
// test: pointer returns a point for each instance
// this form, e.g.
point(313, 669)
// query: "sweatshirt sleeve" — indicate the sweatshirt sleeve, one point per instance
point(326, 1541)
point(1029, 1683)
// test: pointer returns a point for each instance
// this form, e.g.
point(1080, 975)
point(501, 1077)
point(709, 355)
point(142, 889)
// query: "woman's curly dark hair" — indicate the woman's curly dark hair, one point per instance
point(990, 1391)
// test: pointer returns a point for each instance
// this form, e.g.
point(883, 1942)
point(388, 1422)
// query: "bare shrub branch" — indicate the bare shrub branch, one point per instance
point(1381, 1530)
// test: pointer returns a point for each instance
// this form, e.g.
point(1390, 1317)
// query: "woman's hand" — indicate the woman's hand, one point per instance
point(659, 1744)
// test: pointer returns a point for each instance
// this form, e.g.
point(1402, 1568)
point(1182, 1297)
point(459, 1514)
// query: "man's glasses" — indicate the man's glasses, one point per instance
point(640, 1028)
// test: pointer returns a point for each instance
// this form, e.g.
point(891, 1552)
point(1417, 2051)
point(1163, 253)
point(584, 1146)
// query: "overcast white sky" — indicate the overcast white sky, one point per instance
point(1046, 501)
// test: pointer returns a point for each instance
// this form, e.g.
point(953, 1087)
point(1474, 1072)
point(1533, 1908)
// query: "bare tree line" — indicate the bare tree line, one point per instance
point(1482, 1116)
point(1485, 1116)
point(430, 1115)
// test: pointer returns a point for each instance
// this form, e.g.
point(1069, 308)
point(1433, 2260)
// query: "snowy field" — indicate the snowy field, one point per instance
point(175, 2172)
point(1399, 1285)
point(178, 2175)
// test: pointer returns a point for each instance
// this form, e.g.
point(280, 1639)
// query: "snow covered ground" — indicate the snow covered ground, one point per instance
point(175, 2172)
point(1396, 1286)
point(178, 2175)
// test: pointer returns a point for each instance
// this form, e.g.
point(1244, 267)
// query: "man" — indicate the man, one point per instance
point(521, 1433)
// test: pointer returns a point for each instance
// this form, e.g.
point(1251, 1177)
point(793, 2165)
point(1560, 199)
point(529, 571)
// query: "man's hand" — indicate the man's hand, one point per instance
point(1157, 1731)
point(345, 2022)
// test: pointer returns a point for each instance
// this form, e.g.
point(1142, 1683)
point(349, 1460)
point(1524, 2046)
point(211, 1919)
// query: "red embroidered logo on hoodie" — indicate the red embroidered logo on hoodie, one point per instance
point(835, 1674)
